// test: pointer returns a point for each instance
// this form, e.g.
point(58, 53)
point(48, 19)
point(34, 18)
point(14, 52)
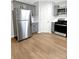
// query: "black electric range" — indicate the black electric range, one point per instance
point(61, 26)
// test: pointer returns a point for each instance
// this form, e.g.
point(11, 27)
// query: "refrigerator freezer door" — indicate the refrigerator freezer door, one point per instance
point(24, 29)
point(25, 14)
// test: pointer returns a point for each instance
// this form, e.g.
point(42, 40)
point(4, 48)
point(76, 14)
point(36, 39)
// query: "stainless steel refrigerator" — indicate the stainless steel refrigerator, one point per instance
point(23, 23)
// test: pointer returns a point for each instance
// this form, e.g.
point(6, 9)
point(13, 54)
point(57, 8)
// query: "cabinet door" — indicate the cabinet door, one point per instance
point(33, 8)
point(52, 26)
point(34, 27)
point(17, 5)
point(25, 6)
point(56, 10)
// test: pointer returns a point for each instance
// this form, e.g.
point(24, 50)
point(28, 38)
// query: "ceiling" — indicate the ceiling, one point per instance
point(33, 1)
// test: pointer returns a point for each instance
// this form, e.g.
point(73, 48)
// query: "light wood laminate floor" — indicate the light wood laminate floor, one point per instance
point(40, 46)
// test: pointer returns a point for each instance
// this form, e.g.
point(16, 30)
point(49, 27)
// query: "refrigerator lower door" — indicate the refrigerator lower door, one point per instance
point(23, 29)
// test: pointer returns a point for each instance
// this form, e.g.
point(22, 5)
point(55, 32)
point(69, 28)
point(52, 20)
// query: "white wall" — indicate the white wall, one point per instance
point(45, 16)
point(60, 16)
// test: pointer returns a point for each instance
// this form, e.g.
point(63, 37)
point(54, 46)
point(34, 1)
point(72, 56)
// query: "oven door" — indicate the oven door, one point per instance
point(61, 28)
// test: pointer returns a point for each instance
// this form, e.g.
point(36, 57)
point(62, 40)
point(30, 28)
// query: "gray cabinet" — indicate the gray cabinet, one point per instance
point(34, 27)
point(33, 8)
point(52, 26)
point(56, 10)
point(17, 4)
